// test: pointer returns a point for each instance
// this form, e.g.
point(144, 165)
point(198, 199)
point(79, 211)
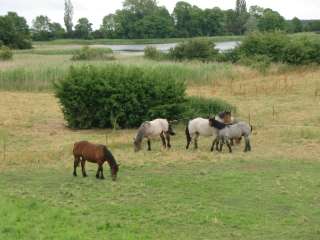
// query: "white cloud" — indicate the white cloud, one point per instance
point(95, 10)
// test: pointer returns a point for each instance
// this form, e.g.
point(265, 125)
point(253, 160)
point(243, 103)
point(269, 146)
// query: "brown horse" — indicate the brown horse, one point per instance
point(96, 153)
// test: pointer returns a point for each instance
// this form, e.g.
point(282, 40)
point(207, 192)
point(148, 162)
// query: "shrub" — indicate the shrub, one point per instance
point(152, 53)
point(199, 49)
point(204, 107)
point(302, 51)
point(87, 53)
point(5, 53)
point(232, 55)
point(118, 95)
point(268, 44)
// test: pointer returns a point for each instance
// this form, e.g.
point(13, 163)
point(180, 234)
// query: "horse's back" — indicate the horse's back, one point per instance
point(201, 126)
point(158, 126)
point(89, 151)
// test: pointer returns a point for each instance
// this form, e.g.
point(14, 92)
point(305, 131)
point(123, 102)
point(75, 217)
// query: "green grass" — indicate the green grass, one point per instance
point(130, 41)
point(261, 199)
point(32, 72)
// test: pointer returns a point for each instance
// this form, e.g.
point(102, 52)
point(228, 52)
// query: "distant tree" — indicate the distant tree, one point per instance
point(241, 16)
point(295, 25)
point(108, 27)
point(68, 16)
point(212, 22)
point(83, 29)
point(57, 31)
point(314, 25)
point(231, 22)
point(41, 28)
point(14, 31)
point(156, 25)
point(271, 21)
point(251, 24)
point(97, 34)
point(188, 20)
point(256, 11)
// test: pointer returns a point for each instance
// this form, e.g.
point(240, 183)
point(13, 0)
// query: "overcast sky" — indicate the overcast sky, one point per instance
point(95, 10)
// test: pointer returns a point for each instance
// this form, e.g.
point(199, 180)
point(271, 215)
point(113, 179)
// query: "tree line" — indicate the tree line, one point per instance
point(146, 19)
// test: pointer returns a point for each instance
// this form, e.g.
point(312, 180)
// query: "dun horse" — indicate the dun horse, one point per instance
point(228, 132)
point(96, 153)
point(152, 129)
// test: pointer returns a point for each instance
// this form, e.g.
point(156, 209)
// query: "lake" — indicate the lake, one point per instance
point(138, 49)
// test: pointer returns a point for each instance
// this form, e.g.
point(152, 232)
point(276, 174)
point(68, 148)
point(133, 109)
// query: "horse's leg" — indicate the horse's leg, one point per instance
point(163, 140)
point(247, 144)
point(231, 142)
point(75, 165)
point(188, 142)
point(168, 140)
point(83, 164)
point(101, 171)
point(229, 146)
point(213, 143)
point(149, 145)
point(98, 172)
point(196, 141)
point(221, 144)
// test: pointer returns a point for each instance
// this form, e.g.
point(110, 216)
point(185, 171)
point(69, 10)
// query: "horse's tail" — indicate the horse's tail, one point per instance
point(188, 133)
point(251, 127)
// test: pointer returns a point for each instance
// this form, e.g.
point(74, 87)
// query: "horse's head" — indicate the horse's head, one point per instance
point(216, 124)
point(136, 145)
point(227, 117)
point(114, 172)
point(170, 130)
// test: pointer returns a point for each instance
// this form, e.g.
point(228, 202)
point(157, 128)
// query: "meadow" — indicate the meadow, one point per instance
point(272, 192)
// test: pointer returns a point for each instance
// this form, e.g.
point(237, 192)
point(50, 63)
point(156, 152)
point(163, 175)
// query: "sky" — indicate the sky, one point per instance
point(95, 10)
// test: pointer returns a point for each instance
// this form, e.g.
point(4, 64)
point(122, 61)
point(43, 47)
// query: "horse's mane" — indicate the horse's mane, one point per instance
point(109, 157)
point(218, 125)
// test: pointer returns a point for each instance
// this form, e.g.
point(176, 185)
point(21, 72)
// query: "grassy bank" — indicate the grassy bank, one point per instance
point(131, 41)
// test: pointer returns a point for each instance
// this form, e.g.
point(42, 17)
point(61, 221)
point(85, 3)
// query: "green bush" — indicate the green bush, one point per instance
point(204, 107)
point(118, 95)
point(5, 53)
point(152, 53)
point(271, 44)
point(87, 53)
point(198, 49)
point(302, 51)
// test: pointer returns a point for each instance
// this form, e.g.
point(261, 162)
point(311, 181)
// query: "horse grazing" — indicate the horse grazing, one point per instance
point(149, 130)
point(235, 131)
point(96, 153)
point(199, 127)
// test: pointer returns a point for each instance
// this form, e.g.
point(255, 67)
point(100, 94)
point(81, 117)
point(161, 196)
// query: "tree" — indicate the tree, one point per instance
point(83, 29)
point(252, 24)
point(68, 16)
point(14, 31)
point(212, 22)
point(241, 16)
point(256, 11)
point(231, 22)
point(271, 21)
point(108, 27)
point(296, 25)
point(41, 28)
point(57, 31)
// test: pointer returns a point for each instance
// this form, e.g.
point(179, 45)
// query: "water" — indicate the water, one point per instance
point(138, 49)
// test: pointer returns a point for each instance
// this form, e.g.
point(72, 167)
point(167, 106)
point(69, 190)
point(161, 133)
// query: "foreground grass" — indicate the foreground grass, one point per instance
point(199, 200)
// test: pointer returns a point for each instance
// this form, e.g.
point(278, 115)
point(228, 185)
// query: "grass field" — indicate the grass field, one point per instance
point(130, 41)
point(270, 193)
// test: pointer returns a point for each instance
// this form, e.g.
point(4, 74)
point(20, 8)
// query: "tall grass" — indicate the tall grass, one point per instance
point(37, 73)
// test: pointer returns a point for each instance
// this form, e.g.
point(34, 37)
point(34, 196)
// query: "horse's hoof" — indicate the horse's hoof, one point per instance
point(102, 178)
point(85, 175)
point(97, 176)
point(74, 174)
